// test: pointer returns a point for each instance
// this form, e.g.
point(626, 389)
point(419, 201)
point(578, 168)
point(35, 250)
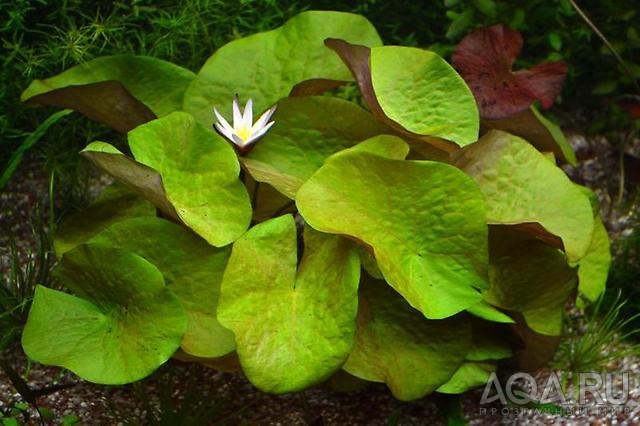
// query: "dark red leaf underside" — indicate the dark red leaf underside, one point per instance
point(484, 59)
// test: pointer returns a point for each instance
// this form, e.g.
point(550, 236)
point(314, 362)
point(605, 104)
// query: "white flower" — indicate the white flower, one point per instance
point(244, 132)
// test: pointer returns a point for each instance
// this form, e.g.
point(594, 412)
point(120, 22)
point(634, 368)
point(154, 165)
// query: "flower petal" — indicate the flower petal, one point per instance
point(224, 132)
point(222, 121)
point(247, 117)
point(257, 135)
point(238, 140)
point(262, 121)
point(237, 115)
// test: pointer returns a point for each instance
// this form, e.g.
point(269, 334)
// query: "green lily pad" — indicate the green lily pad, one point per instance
point(307, 131)
point(199, 172)
point(121, 325)
point(536, 129)
point(191, 268)
point(420, 91)
point(530, 277)
point(136, 176)
point(414, 91)
point(522, 187)
point(293, 330)
point(115, 203)
point(266, 66)
point(425, 222)
point(131, 90)
point(396, 345)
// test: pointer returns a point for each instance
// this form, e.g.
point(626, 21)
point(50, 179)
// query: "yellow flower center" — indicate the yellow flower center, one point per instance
point(243, 132)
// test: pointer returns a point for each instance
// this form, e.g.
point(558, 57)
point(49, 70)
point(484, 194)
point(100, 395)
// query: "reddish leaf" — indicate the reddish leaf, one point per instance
point(315, 86)
point(484, 59)
point(107, 102)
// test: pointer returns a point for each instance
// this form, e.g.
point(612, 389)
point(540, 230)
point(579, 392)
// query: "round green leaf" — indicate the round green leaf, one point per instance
point(357, 58)
point(522, 187)
point(425, 222)
point(191, 268)
point(266, 66)
point(307, 131)
point(396, 345)
point(199, 172)
point(420, 91)
point(293, 330)
point(114, 204)
point(121, 91)
point(123, 324)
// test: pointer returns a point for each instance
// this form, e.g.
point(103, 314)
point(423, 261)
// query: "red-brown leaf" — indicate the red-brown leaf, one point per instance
point(484, 59)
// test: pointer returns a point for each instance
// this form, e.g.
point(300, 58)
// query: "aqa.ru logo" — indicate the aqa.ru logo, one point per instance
point(522, 389)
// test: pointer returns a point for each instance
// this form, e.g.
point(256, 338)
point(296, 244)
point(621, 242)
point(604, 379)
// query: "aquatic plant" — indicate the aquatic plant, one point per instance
point(415, 243)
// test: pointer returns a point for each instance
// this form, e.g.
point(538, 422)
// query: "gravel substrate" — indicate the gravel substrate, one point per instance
point(235, 400)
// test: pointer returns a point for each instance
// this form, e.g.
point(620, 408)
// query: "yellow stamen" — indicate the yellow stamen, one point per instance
point(243, 132)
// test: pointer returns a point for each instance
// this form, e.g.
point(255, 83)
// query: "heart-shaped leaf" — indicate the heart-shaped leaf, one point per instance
point(121, 325)
point(266, 66)
point(115, 203)
point(191, 268)
point(307, 131)
point(521, 186)
point(484, 59)
point(414, 91)
point(424, 221)
point(199, 173)
point(121, 91)
point(396, 345)
point(293, 330)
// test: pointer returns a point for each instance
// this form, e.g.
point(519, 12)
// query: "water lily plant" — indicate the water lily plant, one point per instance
point(411, 242)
